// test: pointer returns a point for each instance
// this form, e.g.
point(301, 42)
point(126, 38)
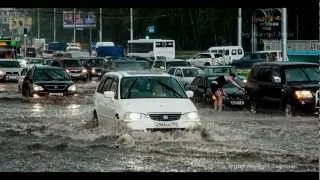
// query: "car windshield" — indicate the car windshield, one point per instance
point(131, 66)
point(95, 62)
point(9, 64)
point(192, 72)
point(151, 87)
point(300, 74)
point(51, 75)
point(71, 63)
point(35, 61)
point(217, 70)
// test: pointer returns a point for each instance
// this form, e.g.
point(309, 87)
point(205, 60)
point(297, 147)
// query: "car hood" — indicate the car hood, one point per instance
point(41, 83)
point(233, 91)
point(304, 85)
point(147, 105)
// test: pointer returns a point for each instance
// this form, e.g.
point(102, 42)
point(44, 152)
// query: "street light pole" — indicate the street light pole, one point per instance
point(239, 27)
point(131, 24)
point(38, 23)
point(25, 45)
point(54, 25)
point(74, 25)
point(284, 33)
point(100, 32)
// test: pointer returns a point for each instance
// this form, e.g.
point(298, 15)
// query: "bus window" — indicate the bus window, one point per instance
point(213, 51)
point(227, 52)
point(240, 51)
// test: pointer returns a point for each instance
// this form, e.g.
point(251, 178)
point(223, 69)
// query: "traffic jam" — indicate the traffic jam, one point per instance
point(221, 100)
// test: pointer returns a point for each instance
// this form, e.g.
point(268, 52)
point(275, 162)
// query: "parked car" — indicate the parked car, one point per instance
point(201, 86)
point(185, 74)
point(9, 70)
point(72, 66)
point(289, 86)
point(47, 81)
point(143, 101)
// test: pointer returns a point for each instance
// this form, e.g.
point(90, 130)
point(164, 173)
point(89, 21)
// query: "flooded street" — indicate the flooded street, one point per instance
point(55, 136)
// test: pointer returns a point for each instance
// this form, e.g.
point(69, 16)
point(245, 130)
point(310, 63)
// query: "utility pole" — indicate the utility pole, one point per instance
point(38, 23)
point(54, 25)
point(239, 27)
point(284, 33)
point(131, 24)
point(100, 32)
point(74, 25)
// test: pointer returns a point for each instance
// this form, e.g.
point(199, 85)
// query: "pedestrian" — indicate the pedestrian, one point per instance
point(217, 91)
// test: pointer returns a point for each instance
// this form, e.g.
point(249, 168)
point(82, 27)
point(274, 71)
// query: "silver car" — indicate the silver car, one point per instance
point(185, 74)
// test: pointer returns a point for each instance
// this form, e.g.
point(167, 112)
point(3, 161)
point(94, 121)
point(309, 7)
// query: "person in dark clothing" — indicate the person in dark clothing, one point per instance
point(217, 91)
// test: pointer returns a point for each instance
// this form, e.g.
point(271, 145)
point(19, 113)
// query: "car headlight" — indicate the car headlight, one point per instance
point(84, 71)
point(72, 88)
point(191, 116)
point(1, 73)
point(303, 94)
point(67, 71)
point(134, 116)
point(93, 70)
point(37, 87)
point(244, 81)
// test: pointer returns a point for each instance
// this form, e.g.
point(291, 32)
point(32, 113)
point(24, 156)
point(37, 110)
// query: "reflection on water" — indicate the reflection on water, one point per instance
point(37, 109)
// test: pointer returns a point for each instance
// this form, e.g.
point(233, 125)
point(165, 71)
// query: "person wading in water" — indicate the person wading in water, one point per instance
point(217, 91)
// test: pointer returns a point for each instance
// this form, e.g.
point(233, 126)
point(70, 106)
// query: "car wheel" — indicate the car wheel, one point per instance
point(289, 110)
point(94, 119)
point(253, 106)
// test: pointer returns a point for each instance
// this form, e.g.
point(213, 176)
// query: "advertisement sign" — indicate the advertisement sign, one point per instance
point(82, 19)
point(16, 23)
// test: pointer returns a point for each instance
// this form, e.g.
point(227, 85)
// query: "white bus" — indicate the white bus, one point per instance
point(151, 48)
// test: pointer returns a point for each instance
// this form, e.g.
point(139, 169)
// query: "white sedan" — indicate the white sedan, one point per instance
point(143, 101)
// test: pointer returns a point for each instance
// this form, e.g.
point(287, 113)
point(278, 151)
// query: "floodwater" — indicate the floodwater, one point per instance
point(56, 136)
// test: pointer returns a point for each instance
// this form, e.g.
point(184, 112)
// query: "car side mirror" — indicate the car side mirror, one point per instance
point(109, 94)
point(276, 79)
point(189, 94)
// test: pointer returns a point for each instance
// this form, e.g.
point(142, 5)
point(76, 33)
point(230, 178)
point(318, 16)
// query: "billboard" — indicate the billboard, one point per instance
point(82, 19)
point(17, 23)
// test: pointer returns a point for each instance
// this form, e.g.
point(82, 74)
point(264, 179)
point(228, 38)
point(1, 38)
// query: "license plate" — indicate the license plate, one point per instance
point(13, 77)
point(75, 75)
point(166, 124)
point(55, 94)
point(237, 102)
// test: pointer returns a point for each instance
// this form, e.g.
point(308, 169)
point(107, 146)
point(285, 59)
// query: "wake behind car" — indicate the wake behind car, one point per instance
point(47, 81)
point(143, 101)
point(9, 70)
point(289, 86)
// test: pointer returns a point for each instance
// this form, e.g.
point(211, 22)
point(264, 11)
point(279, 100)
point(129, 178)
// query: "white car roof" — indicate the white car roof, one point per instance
point(122, 74)
point(185, 67)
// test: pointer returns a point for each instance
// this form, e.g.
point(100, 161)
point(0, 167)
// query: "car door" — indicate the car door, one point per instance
point(194, 85)
point(265, 83)
point(179, 76)
point(274, 88)
point(103, 103)
point(112, 105)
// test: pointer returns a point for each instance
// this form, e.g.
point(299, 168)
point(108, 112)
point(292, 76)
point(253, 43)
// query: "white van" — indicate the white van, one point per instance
point(235, 52)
